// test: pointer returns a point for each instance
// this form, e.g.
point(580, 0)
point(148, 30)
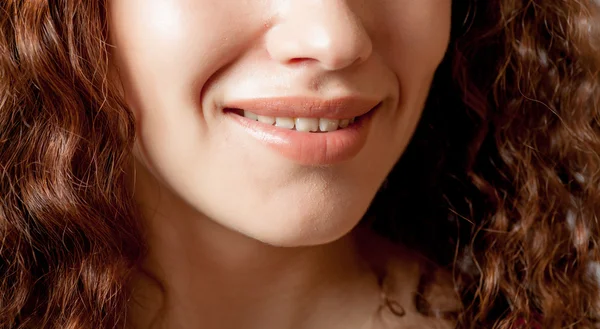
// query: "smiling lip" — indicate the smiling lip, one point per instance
point(301, 107)
point(308, 148)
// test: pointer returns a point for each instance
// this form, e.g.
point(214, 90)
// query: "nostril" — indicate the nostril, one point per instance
point(300, 60)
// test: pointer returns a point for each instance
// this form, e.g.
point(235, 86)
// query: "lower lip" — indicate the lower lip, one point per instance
point(310, 148)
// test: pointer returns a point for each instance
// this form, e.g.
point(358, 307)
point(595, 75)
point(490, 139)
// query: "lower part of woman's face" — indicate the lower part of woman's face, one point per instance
point(279, 119)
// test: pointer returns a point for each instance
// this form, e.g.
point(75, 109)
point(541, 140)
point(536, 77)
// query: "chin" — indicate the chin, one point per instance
point(303, 229)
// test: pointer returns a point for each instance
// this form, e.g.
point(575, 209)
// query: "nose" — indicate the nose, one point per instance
point(327, 32)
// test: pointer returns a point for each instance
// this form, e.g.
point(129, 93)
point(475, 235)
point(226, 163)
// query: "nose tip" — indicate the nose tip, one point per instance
point(329, 34)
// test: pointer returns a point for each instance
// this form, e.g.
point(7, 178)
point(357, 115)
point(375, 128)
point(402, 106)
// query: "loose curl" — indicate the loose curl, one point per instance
point(502, 186)
point(514, 214)
point(68, 228)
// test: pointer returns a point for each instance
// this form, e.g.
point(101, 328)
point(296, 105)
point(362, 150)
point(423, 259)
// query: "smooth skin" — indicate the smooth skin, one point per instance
point(239, 236)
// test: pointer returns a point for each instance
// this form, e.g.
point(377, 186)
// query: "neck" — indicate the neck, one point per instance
point(213, 277)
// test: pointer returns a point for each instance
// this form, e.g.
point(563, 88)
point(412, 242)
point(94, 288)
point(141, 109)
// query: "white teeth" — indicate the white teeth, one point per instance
point(307, 124)
point(284, 123)
point(328, 124)
point(302, 124)
point(267, 120)
point(250, 115)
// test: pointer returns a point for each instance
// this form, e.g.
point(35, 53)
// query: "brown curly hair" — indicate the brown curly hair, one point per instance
point(503, 171)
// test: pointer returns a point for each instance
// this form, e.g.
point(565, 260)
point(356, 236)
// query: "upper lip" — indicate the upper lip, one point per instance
point(303, 107)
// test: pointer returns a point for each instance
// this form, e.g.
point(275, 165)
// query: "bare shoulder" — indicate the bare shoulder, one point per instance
point(416, 292)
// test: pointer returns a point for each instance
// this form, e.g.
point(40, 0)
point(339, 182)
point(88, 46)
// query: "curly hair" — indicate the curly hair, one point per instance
point(502, 175)
point(515, 213)
point(68, 226)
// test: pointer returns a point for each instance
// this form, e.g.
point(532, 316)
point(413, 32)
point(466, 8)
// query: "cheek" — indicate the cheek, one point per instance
point(165, 46)
point(413, 38)
point(148, 36)
point(150, 31)
point(163, 51)
point(414, 35)
point(417, 40)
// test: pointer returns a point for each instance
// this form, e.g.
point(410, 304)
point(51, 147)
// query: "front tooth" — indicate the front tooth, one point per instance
point(328, 124)
point(250, 115)
point(352, 120)
point(344, 123)
point(284, 123)
point(307, 124)
point(267, 120)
